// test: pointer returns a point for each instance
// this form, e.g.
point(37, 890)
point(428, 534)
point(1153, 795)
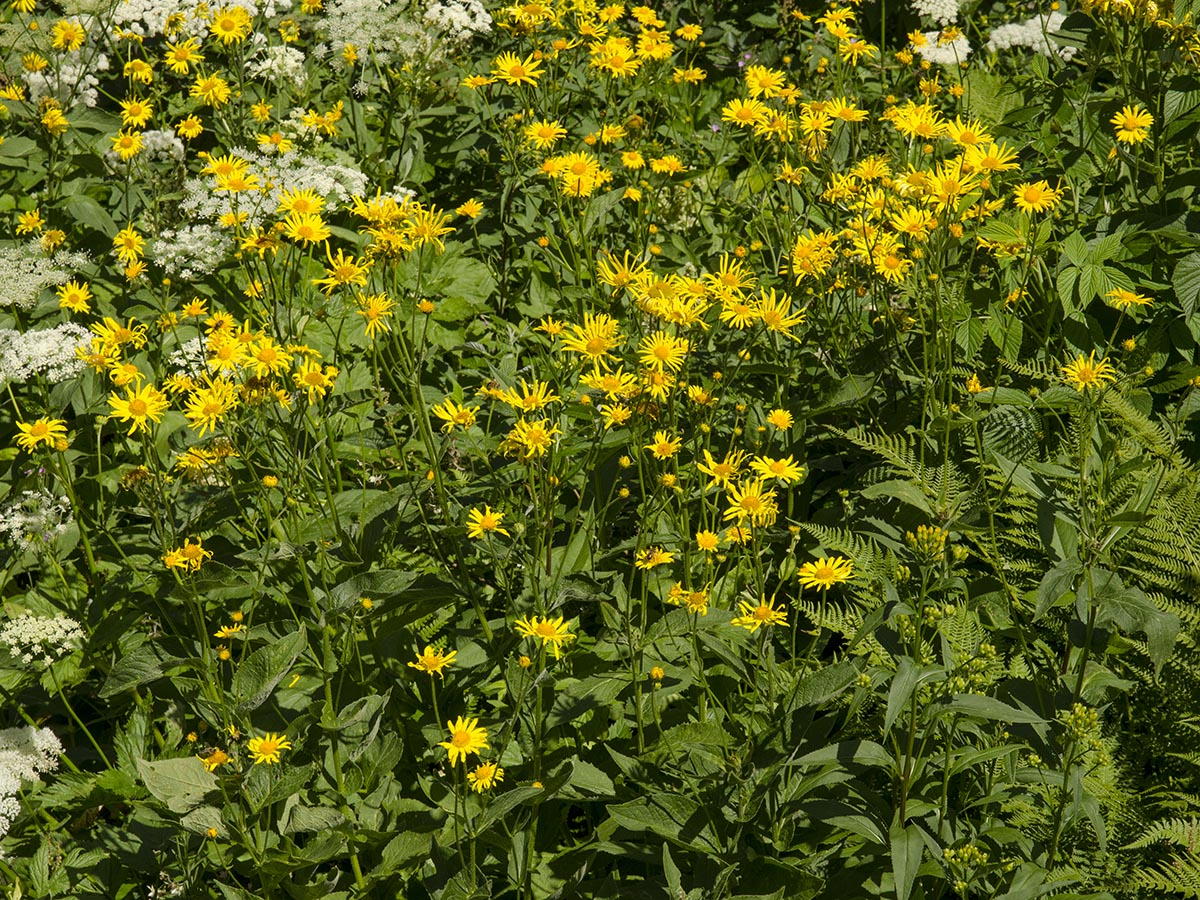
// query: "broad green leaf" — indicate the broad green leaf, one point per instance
point(904, 682)
point(677, 819)
point(509, 800)
point(861, 752)
point(1186, 281)
point(907, 848)
point(1005, 331)
point(86, 210)
point(674, 877)
point(145, 664)
point(263, 669)
point(202, 818)
point(179, 783)
point(298, 818)
point(824, 685)
point(904, 491)
point(980, 707)
point(1056, 583)
point(1075, 248)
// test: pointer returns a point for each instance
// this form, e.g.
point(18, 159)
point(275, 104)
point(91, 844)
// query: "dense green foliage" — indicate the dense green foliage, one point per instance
point(776, 478)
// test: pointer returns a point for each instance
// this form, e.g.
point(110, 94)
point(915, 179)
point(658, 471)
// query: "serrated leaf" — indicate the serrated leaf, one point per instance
point(824, 685)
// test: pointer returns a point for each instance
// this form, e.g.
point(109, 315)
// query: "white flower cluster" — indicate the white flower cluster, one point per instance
point(148, 18)
point(944, 12)
point(36, 519)
point(944, 53)
point(280, 64)
point(72, 82)
point(25, 270)
point(190, 252)
point(44, 351)
point(44, 639)
point(1033, 33)
point(25, 755)
point(191, 358)
point(291, 172)
point(459, 20)
point(396, 32)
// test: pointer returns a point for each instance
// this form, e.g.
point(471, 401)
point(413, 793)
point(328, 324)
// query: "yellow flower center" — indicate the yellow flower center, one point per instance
point(461, 739)
point(137, 407)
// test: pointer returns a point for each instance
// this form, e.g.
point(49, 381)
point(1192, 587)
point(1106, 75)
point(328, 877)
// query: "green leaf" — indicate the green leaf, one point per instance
point(599, 207)
point(263, 669)
point(299, 818)
point(677, 819)
point(1056, 583)
point(202, 818)
point(674, 877)
point(867, 753)
point(905, 681)
point(907, 847)
point(404, 850)
point(1186, 281)
point(1129, 610)
point(1181, 98)
point(1067, 279)
point(980, 707)
point(145, 664)
point(574, 698)
point(506, 802)
point(1005, 331)
point(87, 211)
point(179, 783)
point(1093, 282)
point(1075, 248)
point(824, 685)
point(904, 491)
point(969, 335)
point(588, 779)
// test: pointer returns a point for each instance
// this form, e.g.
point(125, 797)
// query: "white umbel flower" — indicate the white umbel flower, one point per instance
point(1034, 34)
point(944, 53)
point(40, 640)
point(35, 519)
point(944, 12)
point(25, 755)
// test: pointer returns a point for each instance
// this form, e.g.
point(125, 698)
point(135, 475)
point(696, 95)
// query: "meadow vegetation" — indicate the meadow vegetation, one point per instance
point(701, 450)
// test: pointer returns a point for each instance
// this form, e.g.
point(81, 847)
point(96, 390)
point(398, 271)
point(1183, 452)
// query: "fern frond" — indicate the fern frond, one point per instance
point(1178, 876)
point(1181, 832)
point(868, 558)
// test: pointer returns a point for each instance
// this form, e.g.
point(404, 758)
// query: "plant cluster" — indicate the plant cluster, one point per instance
point(570, 449)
